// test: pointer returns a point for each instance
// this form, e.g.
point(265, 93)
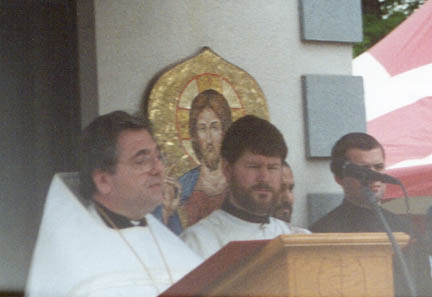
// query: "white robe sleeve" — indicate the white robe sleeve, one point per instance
point(76, 255)
point(195, 241)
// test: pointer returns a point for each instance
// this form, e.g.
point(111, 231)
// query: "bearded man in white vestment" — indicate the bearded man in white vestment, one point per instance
point(252, 153)
point(97, 237)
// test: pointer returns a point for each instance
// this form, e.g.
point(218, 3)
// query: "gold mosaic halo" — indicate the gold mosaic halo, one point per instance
point(172, 95)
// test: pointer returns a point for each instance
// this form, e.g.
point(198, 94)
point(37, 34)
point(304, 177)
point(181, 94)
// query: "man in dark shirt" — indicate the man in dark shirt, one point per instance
point(356, 213)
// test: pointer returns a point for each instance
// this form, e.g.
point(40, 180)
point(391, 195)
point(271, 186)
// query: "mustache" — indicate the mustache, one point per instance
point(262, 186)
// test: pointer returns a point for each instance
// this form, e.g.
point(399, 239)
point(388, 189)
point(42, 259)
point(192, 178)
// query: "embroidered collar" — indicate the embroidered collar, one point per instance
point(230, 208)
point(119, 221)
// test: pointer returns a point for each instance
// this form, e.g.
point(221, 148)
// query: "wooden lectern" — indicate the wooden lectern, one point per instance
point(320, 264)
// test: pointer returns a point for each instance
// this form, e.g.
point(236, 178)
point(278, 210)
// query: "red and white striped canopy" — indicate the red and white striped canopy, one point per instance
point(397, 74)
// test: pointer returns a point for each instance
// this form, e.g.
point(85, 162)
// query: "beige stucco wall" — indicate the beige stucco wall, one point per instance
point(134, 40)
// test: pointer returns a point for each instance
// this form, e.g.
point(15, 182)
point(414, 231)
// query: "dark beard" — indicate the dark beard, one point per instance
point(244, 198)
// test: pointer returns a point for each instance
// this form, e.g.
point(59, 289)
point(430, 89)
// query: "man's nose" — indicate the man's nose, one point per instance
point(284, 197)
point(291, 197)
point(373, 168)
point(157, 166)
point(263, 174)
point(208, 137)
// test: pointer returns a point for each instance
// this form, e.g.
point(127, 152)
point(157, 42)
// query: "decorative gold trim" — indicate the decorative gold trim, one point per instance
point(172, 94)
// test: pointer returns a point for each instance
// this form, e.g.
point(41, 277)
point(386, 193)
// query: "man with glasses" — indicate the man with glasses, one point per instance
point(98, 238)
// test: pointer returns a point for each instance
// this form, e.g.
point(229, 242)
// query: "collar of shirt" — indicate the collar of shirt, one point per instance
point(363, 204)
point(119, 221)
point(242, 214)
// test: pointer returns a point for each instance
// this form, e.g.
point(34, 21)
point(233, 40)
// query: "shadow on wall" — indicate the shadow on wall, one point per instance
point(40, 113)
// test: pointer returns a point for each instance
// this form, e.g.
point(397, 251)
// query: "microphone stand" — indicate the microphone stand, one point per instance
point(396, 248)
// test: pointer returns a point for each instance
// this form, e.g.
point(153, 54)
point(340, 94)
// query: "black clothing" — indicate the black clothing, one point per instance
point(119, 221)
point(349, 217)
point(244, 215)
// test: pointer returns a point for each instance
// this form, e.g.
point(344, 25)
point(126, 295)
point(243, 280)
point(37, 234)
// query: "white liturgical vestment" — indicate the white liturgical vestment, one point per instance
point(219, 228)
point(77, 255)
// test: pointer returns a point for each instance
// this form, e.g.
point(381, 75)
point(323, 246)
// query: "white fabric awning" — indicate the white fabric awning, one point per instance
point(397, 74)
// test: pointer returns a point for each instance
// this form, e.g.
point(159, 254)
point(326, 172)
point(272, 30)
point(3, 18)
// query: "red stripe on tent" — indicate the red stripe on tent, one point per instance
point(409, 45)
point(417, 181)
point(405, 133)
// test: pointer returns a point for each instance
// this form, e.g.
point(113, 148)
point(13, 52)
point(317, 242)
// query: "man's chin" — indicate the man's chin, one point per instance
point(156, 195)
point(264, 204)
point(284, 215)
point(154, 203)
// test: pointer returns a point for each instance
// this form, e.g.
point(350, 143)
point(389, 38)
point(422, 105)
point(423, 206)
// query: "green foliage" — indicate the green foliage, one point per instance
point(380, 17)
point(375, 28)
point(388, 7)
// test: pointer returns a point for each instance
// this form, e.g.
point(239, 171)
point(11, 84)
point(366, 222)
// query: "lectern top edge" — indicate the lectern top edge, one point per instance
point(335, 239)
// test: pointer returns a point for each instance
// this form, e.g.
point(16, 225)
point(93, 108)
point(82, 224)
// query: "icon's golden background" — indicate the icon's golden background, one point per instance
point(172, 94)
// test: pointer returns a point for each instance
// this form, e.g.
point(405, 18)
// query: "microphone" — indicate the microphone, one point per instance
point(365, 174)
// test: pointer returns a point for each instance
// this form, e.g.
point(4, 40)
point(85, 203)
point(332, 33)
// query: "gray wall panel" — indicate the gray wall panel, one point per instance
point(331, 20)
point(320, 204)
point(333, 106)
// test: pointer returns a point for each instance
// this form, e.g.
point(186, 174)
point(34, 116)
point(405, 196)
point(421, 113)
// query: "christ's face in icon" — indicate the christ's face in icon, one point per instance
point(210, 117)
point(210, 135)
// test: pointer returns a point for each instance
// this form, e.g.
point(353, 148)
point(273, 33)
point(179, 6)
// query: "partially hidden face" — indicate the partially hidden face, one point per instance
point(137, 184)
point(284, 207)
point(372, 159)
point(210, 135)
point(255, 182)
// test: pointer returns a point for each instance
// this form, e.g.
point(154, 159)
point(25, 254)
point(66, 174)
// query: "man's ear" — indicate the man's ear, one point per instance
point(339, 180)
point(227, 169)
point(102, 181)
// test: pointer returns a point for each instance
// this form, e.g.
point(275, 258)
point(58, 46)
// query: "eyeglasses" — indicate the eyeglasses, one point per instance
point(144, 161)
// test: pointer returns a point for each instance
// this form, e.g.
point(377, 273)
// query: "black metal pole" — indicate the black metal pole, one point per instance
point(396, 248)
